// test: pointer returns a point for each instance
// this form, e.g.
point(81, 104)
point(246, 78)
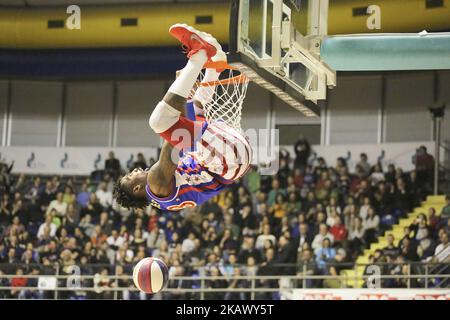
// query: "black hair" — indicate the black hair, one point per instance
point(126, 199)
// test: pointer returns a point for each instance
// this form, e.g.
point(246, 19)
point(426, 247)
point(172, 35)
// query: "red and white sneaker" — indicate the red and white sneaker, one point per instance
point(193, 40)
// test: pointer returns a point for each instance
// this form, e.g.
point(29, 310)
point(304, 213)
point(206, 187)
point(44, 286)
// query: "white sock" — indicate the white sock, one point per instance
point(205, 94)
point(182, 86)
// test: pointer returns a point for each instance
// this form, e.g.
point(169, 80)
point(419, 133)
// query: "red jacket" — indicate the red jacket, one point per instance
point(339, 232)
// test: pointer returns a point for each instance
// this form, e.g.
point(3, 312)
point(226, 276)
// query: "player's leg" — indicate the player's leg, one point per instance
point(204, 94)
point(224, 151)
point(168, 119)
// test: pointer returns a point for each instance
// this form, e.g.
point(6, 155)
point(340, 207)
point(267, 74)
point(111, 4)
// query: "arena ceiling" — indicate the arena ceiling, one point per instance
point(46, 3)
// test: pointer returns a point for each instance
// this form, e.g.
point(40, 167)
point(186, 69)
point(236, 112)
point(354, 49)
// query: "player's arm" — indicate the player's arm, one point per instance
point(160, 175)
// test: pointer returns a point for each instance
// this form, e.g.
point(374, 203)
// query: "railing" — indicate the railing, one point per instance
point(419, 275)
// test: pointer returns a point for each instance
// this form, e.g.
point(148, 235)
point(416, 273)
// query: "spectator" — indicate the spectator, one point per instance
point(83, 196)
point(318, 239)
point(262, 238)
point(339, 231)
point(48, 224)
point(112, 165)
point(424, 167)
point(391, 249)
point(104, 196)
point(58, 205)
point(371, 224)
point(274, 192)
point(324, 254)
point(445, 214)
point(69, 196)
point(237, 283)
point(302, 150)
point(306, 267)
point(364, 164)
point(155, 238)
point(140, 162)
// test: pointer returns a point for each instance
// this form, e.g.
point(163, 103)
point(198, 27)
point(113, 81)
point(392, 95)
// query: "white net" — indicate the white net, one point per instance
point(222, 100)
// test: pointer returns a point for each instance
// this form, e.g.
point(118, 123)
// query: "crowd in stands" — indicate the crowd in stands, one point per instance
point(311, 218)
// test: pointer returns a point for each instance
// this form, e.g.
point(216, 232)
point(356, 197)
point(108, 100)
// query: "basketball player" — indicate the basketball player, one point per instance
point(212, 155)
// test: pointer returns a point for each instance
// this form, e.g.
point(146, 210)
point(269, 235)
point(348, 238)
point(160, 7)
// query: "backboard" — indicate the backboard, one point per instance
point(276, 43)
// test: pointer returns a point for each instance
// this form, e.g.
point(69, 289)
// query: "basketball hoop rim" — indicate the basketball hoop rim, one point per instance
point(223, 65)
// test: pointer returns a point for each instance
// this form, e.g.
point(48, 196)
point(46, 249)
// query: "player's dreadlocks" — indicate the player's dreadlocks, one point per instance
point(126, 199)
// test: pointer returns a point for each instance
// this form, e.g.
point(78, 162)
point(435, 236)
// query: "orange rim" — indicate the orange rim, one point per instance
point(224, 66)
point(218, 65)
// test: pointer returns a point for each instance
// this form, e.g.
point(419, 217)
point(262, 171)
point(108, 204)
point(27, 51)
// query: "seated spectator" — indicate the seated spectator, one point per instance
point(18, 281)
point(273, 193)
point(318, 239)
point(420, 227)
point(377, 175)
point(47, 224)
point(279, 208)
point(87, 226)
point(333, 207)
point(363, 210)
point(83, 196)
point(140, 162)
point(105, 223)
point(284, 255)
point(93, 207)
point(339, 231)
point(228, 243)
point(188, 244)
point(391, 249)
point(433, 219)
point(215, 283)
point(266, 235)
point(364, 164)
point(324, 254)
point(332, 217)
point(302, 234)
point(236, 283)
point(16, 227)
point(69, 196)
point(445, 213)
point(251, 269)
point(114, 241)
point(371, 224)
point(248, 249)
point(112, 165)
point(408, 249)
point(442, 251)
point(426, 245)
point(293, 206)
point(155, 238)
point(104, 196)
point(306, 267)
point(58, 205)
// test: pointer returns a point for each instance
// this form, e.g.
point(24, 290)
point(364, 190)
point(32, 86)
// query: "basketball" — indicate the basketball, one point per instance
point(150, 275)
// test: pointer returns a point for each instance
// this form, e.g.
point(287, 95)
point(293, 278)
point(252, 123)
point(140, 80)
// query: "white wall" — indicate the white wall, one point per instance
point(135, 102)
point(408, 98)
point(352, 115)
point(354, 110)
point(88, 114)
point(35, 110)
point(256, 108)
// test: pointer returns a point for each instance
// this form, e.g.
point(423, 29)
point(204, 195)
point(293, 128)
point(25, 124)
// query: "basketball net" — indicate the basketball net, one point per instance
point(223, 101)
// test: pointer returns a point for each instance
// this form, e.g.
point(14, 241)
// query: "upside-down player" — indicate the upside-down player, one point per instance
point(212, 154)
